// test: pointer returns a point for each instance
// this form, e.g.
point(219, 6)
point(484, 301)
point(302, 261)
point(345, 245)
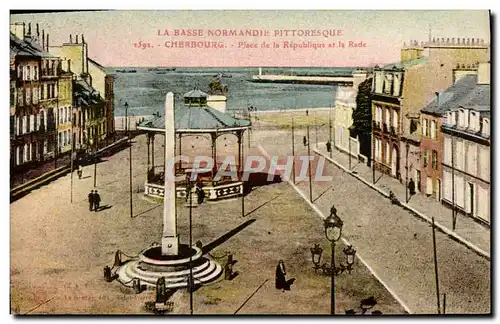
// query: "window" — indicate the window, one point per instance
point(433, 131)
point(459, 191)
point(434, 159)
point(460, 155)
point(388, 84)
point(395, 120)
point(474, 121)
point(447, 185)
point(28, 72)
point(471, 158)
point(426, 158)
point(486, 126)
point(447, 151)
point(387, 153)
point(463, 118)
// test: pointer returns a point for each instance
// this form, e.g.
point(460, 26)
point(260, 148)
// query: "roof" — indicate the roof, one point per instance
point(195, 93)
point(405, 64)
point(466, 93)
point(197, 118)
point(84, 94)
point(97, 64)
point(26, 47)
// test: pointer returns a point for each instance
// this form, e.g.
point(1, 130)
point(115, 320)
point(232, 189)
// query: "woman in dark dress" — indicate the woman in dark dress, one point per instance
point(281, 282)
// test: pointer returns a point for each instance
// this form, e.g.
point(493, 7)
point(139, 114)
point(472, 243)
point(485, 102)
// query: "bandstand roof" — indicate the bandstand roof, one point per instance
point(197, 119)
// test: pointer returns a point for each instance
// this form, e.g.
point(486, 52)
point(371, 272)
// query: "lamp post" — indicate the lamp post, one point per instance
point(333, 231)
point(406, 185)
point(129, 161)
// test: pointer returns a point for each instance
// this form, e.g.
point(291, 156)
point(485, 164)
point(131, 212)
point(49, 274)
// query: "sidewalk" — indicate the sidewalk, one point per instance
point(468, 231)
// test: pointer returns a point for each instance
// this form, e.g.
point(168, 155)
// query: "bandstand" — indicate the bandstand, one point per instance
point(199, 127)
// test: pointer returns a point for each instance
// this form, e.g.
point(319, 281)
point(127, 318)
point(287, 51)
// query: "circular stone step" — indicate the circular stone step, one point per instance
point(204, 270)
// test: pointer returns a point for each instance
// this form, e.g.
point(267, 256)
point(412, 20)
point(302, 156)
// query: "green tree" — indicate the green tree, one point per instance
point(362, 117)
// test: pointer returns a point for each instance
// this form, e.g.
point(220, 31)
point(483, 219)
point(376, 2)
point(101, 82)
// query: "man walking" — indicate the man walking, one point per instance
point(97, 200)
point(91, 200)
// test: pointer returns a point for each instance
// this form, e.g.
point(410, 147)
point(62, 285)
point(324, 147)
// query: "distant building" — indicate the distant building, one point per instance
point(345, 104)
point(466, 151)
point(93, 96)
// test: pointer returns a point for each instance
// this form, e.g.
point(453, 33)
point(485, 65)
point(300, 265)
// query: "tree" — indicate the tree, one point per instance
point(362, 117)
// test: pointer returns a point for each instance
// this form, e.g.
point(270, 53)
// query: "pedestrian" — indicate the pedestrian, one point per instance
point(411, 187)
point(281, 282)
point(307, 112)
point(328, 146)
point(91, 200)
point(80, 172)
point(304, 140)
point(97, 200)
point(200, 192)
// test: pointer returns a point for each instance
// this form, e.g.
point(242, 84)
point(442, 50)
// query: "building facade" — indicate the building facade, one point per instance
point(466, 152)
point(431, 137)
point(93, 95)
point(400, 90)
point(34, 97)
point(345, 104)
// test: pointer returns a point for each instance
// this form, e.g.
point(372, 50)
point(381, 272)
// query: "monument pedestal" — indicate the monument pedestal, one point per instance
point(152, 265)
point(170, 245)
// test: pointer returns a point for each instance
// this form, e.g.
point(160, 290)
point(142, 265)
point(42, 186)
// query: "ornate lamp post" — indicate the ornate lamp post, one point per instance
point(333, 231)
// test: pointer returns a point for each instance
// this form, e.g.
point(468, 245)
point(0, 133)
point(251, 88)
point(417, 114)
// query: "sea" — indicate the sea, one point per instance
point(145, 90)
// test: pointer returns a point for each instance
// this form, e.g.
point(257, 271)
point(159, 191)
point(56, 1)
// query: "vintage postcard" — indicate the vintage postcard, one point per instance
point(250, 162)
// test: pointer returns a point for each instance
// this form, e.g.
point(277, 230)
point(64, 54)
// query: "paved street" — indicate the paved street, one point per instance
point(396, 244)
point(59, 249)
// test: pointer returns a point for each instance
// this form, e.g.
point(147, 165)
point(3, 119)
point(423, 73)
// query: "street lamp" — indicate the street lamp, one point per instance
point(126, 116)
point(316, 252)
point(350, 254)
point(333, 231)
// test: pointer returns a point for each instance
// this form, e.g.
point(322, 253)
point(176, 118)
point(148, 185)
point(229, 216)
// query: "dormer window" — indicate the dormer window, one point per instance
point(388, 84)
point(486, 126)
point(474, 121)
point(463, 121)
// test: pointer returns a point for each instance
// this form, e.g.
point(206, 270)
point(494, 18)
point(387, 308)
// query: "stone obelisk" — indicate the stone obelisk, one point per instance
point(170, 238)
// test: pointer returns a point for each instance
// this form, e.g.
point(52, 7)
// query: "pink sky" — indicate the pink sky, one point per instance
point(111, 35)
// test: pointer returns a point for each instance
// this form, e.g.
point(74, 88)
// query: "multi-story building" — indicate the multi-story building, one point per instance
point(345, 103)
point(34, 97)
point(431, 138)
point(401, 89)
point(93, 97)
point(466, 151)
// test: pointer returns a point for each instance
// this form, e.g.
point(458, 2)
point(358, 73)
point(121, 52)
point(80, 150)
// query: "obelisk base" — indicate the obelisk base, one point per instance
point(170, 245)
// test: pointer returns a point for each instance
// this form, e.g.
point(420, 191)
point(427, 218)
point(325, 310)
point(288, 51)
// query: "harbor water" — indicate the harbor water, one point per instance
point(145, 90)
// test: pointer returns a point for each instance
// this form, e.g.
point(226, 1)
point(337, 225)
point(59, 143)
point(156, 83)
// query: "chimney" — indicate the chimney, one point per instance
point(483, 73)
point(437, 99)
point(70, 38)
point(76, 39)
point(43, 39)
point(47, 46)
point(69, 65)
point(24, 30)
point(37, 30)
point(29, 30)
point(83, 39)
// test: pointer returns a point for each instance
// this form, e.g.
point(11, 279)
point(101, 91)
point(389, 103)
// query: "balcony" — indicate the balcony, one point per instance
point(385, 128)
point(376, 125)
point(393, 131)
